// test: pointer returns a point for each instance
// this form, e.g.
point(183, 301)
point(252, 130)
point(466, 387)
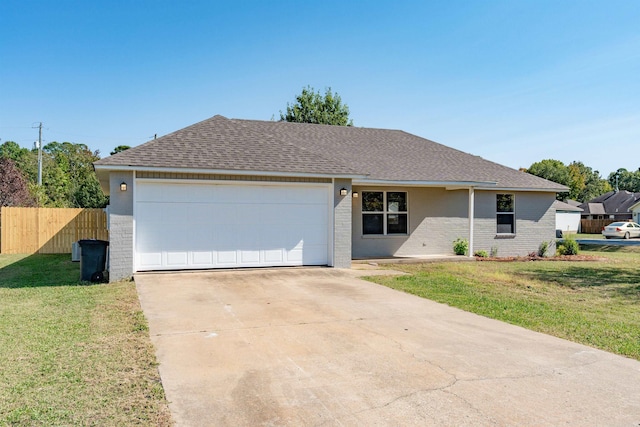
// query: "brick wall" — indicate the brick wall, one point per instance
point(342, 224)
point(121, 227)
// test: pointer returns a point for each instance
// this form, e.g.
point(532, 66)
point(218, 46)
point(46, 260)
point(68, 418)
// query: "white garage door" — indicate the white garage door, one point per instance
point(204, 225)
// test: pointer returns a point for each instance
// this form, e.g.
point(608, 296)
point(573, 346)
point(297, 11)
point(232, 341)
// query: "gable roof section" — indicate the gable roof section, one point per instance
point(612, 202)
point(366, 154)
point(565, 207)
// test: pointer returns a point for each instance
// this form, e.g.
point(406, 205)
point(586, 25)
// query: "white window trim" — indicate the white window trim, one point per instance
point(506, 213)
point(384, 213)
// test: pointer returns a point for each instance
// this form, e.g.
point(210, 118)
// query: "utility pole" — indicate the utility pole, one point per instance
point(40, 155)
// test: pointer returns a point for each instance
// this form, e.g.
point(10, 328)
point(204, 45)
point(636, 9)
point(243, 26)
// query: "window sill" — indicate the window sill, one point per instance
point(383, 236)
point(505, 235)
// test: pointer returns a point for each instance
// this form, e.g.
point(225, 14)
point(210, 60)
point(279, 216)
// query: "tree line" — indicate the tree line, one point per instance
point(584, 182)
point(69, 180)
point(68, 177)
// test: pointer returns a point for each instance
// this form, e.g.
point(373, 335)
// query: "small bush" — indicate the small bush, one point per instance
point(568, 247)
point(494, 251)
point(544, 248)
point(481, 253)
point(460, 246)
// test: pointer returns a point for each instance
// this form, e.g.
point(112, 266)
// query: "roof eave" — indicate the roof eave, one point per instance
point(120, 168)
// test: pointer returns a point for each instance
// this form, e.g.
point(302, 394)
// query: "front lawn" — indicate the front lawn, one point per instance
point(71, 353)
point(596, 303)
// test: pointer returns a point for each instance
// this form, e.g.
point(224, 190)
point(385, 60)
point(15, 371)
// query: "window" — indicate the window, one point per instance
point(505, 214)
point(384, 212)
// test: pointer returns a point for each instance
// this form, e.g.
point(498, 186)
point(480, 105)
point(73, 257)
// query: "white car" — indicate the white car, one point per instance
point(624, 230)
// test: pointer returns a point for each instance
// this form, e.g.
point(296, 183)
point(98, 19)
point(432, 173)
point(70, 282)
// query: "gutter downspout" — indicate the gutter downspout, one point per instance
point(471, 219)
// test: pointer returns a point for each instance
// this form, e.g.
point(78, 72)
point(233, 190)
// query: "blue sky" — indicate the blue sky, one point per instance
point(512, 81)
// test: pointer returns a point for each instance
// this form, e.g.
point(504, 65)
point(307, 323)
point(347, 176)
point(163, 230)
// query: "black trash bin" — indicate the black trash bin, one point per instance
point(93, 258)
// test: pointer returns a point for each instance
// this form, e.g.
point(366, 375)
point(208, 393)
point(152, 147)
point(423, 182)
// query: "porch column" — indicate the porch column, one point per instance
point(471, 221)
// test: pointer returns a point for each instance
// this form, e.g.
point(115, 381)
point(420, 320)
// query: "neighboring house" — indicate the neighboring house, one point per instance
point(244, 193)
point(567, 217)
point(635, 212)
point(614, 205)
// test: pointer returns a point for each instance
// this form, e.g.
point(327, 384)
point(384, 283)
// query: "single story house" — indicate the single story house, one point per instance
point(635, 212)
point(227, 193)
point(614, 205)
point(567, 217)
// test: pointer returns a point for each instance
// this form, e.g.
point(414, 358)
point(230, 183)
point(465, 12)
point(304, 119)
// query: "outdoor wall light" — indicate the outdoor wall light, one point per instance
point(344, 191)
point(355, 194)
point(123, 186)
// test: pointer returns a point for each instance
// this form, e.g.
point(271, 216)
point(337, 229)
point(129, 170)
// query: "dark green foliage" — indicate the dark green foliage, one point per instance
point(312, 107)
point(584, 183)
point(626, 180)
point(68, 178)
point(119, 149)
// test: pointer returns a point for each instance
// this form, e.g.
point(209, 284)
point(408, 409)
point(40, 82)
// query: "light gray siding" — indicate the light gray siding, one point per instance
point(437, 217)
point(535, 223)
point(342, 224)
point(120, 226)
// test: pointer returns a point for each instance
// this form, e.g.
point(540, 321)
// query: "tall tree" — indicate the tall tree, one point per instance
point(625, 180)
point(119, 149)
point(14, 190)
point(553, 170)
point(75, 176)
point(585, 184)
point(312, 107)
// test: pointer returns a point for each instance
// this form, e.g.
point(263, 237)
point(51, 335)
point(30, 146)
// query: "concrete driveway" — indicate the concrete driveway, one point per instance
point(318, 346)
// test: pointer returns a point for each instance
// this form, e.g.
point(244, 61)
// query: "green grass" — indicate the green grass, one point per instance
point(597, 236)
point(72, 353)
point(596, 303)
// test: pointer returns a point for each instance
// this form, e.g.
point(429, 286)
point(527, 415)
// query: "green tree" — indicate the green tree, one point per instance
point(626, 180)
point(14, 190)
point(312, 107)
point(71, 180)
point(26, 160)
point(119, 149)
point(586, 184)
point(553, 170)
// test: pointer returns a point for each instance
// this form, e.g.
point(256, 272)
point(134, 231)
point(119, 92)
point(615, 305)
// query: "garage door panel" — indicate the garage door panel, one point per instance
point(177, 259)
point(226, 258)
point(202, 258)
point(182, 226)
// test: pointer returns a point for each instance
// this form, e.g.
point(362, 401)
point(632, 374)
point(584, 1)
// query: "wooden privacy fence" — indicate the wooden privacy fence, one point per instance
point(49, 230)
point(594, 226)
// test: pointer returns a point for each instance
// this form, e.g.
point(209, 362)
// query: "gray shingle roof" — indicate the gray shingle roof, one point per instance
point(219, 143)
point(612, 202)
point(562, 206)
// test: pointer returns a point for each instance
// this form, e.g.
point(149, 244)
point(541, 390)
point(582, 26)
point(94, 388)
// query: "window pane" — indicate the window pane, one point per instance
point(372, 224)
point(397, 224)
point(372, 201)
point(504, 202)
point(396, 202)
point(505, 223)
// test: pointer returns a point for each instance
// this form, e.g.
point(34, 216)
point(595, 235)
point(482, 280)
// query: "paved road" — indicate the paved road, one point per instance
point(609, 242)
point(318, 346)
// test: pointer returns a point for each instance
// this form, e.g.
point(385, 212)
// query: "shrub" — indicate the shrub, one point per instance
point(544, 248)
point(460, 246)
point(494, 251)
point(481, 253)
point(568, 246)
